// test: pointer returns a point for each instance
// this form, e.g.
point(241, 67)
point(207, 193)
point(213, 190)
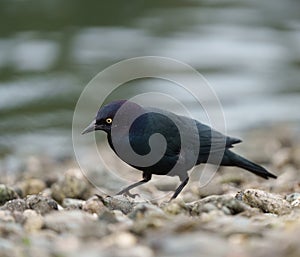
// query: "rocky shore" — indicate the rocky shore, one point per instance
point(53, 210)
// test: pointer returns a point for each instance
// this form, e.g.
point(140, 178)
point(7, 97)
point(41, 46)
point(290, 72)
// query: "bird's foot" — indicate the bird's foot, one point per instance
point(127, 193)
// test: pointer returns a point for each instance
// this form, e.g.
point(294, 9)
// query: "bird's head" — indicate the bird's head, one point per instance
point(105, 116)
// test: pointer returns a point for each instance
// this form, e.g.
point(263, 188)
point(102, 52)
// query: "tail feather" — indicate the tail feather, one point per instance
point(233, 159)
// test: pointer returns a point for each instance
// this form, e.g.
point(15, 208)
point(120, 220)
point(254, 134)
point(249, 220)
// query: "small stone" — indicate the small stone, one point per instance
point(191, 244)
point(143, 210)
point(73, 221)
point(118, 202)
point(72, 185)
point(70, 203)
point(267, 202)
point(32, 186)
point(41, 204)
point(10, 229)
point(292, 197)
point(226, 203)
point(125, 240)
point(108, 217)
point(123, 218)
point(93, 205)
point(175, 207)
point(18, 205)
point(33, 221)
point(296, 203)
point(6, 194)
point(6, 216)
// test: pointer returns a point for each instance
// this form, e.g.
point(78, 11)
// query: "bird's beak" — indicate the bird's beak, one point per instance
point(89, 128)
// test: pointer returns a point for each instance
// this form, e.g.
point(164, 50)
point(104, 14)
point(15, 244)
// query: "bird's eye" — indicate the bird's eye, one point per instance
point(108, 120)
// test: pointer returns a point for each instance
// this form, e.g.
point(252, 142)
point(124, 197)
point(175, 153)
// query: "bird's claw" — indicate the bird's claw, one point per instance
point(127, 193)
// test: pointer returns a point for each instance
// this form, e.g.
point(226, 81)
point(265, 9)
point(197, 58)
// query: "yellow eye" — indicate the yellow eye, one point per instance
point(108, 120)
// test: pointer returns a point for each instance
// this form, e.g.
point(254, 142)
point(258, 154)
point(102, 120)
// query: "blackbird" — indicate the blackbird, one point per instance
point(159, 142)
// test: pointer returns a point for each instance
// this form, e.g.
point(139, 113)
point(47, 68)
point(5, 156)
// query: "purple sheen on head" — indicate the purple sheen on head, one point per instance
point(110, 109)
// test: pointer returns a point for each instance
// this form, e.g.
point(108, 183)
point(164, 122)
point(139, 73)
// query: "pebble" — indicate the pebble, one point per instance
point(108, 217)
point(18, 205)
point(175, 207)
point(145, 210)
point(5, 216)
point(41, 204)
point(72, 185)
point(125, 240)
point(74, 221)
point(292, 197)
point(33, 221)
point(228, 204)
point(207, 221)
point(93, 205)
point(191, 245)
point(118, 202)
point(6, 194)
point(266, 202)
point(30, 186)
point(70, 203)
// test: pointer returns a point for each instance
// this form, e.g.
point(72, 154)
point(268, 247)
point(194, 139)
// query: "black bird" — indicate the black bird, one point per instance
point(185, 143)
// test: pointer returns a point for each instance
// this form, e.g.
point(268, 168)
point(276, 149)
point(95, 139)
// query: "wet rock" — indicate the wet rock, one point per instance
point(93, 205)
point(225, 203)
point(40, 204)
point(70, 203)
point(267, 202)
point(6, 194)
point(18, 205)
point(72, 185)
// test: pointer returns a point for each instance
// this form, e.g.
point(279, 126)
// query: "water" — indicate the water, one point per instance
point(249, 51)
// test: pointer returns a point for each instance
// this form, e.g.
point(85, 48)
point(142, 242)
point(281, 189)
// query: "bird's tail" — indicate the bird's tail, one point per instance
point(233, 159)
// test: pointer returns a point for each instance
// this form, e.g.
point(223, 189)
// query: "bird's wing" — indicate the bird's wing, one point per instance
point(153, 122)
point(214, 141)
point(189, 131)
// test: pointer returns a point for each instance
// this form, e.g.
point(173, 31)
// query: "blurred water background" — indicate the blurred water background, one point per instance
point(49, 50)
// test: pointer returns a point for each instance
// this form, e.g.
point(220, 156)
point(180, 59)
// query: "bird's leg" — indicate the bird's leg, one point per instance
point(146, 178)
point(179, 189)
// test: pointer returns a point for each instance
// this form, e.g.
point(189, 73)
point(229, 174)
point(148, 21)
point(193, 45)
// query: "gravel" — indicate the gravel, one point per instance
point(237, 214)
